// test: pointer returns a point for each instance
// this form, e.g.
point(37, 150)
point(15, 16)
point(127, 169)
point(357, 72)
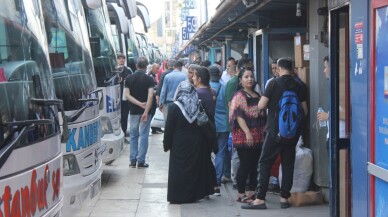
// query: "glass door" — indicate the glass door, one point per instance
point(340, 119)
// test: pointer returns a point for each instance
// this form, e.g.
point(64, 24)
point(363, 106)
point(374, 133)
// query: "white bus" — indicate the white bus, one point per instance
point(104, 60)
point(75, 84)
point(30, 140)
point(121, 14)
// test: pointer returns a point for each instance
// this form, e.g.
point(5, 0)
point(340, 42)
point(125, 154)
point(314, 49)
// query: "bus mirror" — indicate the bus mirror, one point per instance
point(65, 127)
point(59, 104)
point(92, 4)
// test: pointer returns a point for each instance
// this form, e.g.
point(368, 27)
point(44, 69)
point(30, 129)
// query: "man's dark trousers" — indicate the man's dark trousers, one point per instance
point(271, 148)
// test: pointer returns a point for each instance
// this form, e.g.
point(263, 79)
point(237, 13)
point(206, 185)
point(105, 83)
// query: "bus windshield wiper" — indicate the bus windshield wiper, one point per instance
point(47, 102)
point(89, 100)
point(109, 80)
point(101, 104)
point(75, 116)
point(94, 91)
point(28, 122)
point(6, 151)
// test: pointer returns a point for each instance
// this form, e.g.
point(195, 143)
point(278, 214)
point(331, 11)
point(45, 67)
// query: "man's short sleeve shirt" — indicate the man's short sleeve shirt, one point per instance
point(138, 84)
point(274, 92)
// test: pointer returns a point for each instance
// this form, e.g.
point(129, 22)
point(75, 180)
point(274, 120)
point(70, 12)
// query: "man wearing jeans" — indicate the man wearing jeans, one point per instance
point(170, 84)
point(139, 90)
point(222, 160)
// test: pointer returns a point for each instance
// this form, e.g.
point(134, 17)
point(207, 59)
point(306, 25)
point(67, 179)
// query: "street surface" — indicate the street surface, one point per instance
point(132, 192)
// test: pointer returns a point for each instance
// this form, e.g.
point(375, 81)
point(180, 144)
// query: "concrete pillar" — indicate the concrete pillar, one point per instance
point(228, 48)
point(318, 96)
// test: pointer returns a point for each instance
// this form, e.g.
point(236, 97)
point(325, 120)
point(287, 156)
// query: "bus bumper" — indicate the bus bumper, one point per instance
point(55, 211)
point(114, 146)
point(77, 189)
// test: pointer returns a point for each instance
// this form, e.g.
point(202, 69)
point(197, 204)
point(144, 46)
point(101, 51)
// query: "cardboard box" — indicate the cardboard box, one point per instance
point(299, 41)
point(304, 74)
point(307, 198)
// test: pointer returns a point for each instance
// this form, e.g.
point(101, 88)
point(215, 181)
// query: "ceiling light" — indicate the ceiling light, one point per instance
point(298, 9)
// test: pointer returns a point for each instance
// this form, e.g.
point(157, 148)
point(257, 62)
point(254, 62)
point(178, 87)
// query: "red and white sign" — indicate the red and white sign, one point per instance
point(33, 192)
point(359, 32)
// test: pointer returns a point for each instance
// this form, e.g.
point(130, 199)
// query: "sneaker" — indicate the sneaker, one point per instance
point(133, 164)
point(156, 130)
point(217, 192)
point(143, 165)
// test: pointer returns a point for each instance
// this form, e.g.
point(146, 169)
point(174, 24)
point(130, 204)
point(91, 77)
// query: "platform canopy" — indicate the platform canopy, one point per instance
point(234, 18)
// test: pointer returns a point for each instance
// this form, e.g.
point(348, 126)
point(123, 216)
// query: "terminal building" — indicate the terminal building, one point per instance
point(352, 168)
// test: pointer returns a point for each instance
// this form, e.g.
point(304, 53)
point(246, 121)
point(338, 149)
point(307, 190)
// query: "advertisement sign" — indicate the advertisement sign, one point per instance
point(359, 39)
point(381, 111)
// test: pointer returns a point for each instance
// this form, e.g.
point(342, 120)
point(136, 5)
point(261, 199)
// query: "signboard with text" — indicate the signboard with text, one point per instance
point(185, 34)
point(189, 4)
point(191, 24)
point(184, 14)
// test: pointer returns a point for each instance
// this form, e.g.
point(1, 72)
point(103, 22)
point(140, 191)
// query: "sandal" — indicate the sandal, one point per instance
point(245, 199)
point(239, 199)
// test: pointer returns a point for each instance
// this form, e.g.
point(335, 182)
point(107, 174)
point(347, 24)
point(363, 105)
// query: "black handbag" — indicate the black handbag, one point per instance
point(208, 128)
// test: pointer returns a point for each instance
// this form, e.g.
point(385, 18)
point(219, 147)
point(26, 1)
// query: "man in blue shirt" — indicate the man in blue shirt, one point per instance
point(222, 161)
point(170, 84)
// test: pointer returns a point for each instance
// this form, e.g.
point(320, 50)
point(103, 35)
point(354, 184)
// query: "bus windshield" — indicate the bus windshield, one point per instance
point(24, 76)
point(70, 59)
point(132, 51)
point(101, 41)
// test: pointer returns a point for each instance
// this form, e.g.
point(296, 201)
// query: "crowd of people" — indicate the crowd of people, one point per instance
point(234, 107)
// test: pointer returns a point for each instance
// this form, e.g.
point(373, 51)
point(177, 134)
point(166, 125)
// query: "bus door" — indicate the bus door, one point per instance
point(378, 165)
point(339, 144)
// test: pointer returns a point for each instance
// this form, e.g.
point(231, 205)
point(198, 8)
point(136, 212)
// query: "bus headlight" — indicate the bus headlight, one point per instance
point(106, 126)
point(70, 165)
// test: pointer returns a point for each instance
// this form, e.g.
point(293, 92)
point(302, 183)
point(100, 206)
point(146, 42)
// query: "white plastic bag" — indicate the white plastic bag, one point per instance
point(158, 119)
point(303, 168)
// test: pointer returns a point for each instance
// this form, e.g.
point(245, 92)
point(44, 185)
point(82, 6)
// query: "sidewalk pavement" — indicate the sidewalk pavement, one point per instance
point(132, 192)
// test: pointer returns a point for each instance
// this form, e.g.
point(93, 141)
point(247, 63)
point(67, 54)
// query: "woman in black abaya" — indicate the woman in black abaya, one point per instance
point(189, 175)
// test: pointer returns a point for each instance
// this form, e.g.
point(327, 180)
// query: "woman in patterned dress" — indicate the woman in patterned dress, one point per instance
point(247, 124)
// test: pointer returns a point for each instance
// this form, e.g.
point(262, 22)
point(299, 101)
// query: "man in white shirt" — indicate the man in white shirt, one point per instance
point(275, 74)
point(226, 76)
